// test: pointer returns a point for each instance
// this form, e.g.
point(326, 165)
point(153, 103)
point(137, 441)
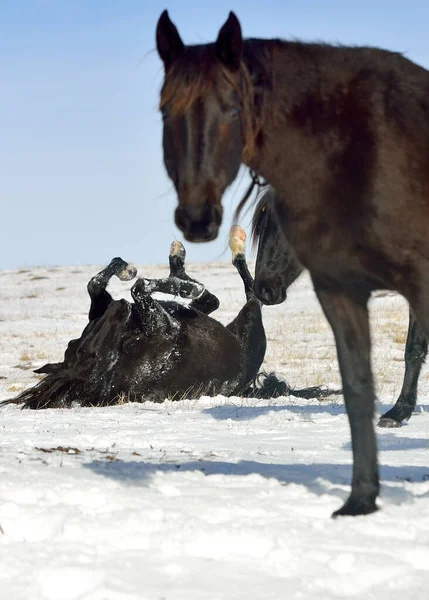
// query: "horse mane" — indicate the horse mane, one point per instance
point(268, 385)
point(57, 390)
point(196, 74)
point(258, 216)
point(262, 208)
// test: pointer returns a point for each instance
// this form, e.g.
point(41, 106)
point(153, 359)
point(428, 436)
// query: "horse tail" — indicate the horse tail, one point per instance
point(268, 385)
point(57, 390)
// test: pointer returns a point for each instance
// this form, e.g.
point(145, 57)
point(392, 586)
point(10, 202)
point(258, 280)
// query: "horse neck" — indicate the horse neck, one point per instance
point(283, 75)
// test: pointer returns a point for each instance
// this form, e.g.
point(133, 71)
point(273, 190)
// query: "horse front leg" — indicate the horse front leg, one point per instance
point(206, 302)
point(175, 287)
point(100, 297)
point(237, 244)
point(415, 354)
point(249, 319)
point(153, 318)
point(247, 327)
point(178, 283)
point(347, 314)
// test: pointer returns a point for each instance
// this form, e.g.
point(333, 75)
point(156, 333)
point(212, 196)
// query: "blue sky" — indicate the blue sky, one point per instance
point(81, 171)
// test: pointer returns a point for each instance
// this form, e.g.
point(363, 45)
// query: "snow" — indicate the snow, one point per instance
point(217, 498)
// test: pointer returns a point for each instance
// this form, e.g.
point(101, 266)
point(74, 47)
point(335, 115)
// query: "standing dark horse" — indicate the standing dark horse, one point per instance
point(342, 134)
point(154, 349)
point(277, 268)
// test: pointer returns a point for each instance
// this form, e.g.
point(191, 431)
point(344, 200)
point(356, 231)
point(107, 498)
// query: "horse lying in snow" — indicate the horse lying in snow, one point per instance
point(153, 350)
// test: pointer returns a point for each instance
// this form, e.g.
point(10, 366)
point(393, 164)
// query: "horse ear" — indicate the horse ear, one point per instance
point(229, 43)
point(168, 41)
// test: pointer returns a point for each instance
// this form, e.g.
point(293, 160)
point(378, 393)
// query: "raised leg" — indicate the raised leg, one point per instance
point(237, 243)
point(247, 327)
point(154, 319)
point(187, 289)
point(176, 260)
point(415, 354)
point(100, 297)
point(206, 302)
point(347, 314)
point(178, 283)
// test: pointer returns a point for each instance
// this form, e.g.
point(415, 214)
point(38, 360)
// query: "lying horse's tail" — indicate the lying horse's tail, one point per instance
point(56, 390)
point(268, 385)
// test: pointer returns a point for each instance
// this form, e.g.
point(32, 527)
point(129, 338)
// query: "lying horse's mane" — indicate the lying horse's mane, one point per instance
point(57, 390)
point(61, 390)
point(268, 385)
point(263, 206)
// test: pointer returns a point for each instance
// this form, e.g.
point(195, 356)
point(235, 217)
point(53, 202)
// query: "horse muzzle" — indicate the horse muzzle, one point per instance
point(199, 223)
point(269, 294)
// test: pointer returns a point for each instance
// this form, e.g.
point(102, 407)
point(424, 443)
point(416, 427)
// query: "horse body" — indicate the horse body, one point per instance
point(277, 268)
point(347, 116)
point(153, 349)
point(179, 357)
point(342, 135)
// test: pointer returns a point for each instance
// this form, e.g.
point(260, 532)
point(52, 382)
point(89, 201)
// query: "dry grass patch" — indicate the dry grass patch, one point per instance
point(65, 449)
point(123, 398)
point(398, 333)
point(16, 388)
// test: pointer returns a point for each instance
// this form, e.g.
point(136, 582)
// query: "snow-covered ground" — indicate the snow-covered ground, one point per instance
point(220, 498)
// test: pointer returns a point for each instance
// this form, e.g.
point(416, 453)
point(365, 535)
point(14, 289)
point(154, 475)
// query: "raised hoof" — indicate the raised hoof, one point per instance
point(388, 423)
point(128, 273)
point(122, 269)
point(177, 249)
point(355, 508)
point(237, 240)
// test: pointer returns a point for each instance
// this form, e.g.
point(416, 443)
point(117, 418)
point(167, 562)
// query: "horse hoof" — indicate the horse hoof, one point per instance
point(388, 423)
point(177, 249)
point(356, 507)
point(237, 240)
point(128, 273)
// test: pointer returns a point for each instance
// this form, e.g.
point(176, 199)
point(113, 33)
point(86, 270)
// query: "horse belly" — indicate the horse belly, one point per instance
point(212, 361)
point(382, 240)
point(204, 359)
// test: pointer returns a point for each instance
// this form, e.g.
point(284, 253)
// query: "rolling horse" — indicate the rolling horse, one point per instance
point(152, 349)
point(342, 135)
point(277, 267)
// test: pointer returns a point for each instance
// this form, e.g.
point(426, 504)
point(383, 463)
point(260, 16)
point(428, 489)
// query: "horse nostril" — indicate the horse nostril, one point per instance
point(264, 292)
point(267, 293)
point(181, 219)
point(217, 213)
point(270, 293)
point(199, 223)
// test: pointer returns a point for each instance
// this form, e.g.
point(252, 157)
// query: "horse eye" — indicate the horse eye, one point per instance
point(233, 112)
